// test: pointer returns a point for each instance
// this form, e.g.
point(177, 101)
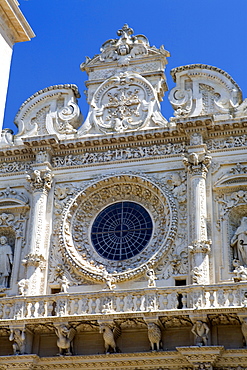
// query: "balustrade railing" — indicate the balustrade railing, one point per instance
point(117, 302)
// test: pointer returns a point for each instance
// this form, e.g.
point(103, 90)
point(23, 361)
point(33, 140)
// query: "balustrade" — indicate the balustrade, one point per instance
point(183, 298)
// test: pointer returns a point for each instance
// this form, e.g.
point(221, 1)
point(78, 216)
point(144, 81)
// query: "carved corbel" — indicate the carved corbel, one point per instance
point(201, 331)
point(18, 339)
point(154, 332)
point(111, 332)
point(65, 335)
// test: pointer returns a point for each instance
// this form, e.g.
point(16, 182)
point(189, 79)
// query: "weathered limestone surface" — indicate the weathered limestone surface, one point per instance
point(178, 297)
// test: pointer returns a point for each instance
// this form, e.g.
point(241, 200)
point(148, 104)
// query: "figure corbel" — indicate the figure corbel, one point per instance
point(111, 332)
point(18, 337)
point(200, 330)
point(65, 335)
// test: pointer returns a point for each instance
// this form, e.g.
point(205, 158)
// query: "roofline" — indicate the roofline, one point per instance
point(15, 21)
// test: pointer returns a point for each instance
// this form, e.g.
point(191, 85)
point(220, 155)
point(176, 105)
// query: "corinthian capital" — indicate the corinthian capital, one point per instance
point(40, 180)
point(197, 163)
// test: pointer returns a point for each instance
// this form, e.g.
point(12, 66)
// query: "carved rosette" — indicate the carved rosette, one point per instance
point(124, 102)
point(80, 213)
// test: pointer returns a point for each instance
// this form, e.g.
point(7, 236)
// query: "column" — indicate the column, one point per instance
point(197, 162)
point(35, 261)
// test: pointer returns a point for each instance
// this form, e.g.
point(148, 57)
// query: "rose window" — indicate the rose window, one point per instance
point(121, 230)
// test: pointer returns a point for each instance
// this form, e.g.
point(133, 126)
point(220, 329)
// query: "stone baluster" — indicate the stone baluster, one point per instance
point(197, 162)
point(35, 261)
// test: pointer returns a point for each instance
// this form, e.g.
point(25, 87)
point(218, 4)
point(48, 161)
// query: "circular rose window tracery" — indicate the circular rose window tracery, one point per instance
point(79, 226)
point(121, 231)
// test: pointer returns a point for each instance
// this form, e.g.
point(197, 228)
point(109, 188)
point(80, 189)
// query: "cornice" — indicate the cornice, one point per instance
point(16, 23)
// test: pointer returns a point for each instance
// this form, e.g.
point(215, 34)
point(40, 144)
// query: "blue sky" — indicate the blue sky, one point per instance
point(212, 32)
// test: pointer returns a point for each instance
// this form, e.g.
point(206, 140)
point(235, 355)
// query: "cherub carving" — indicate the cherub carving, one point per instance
point(23, 286)
point(65, 336)
point(109, 280)
point(151, 277)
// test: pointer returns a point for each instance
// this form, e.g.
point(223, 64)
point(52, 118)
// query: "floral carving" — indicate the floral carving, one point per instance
point(40, 180)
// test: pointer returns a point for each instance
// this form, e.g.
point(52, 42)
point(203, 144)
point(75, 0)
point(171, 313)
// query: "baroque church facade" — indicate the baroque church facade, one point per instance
point(123, 237)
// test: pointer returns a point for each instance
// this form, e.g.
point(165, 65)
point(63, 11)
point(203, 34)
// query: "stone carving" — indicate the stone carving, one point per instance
point(9, 167)
point(197, 163)
point(65, 336)
point(77, 248)
point(201, 89)
point(6, 138)
point(244, 331)
point(18, 338)
point(239, 243)
point(23, 286)
point(200, 330)
point(10, 193)
point(124, 102)
point(239, 271)
point(6, 219)
point(109, 280)
point(40, 180)
point(151, 277)
point(110, 336)
point(36, 260)
point(64, 284)
point(124, 48)
point(42, 156)
point(154, 336)
point(231, 142)
point(50, 111)
point(6, 260)
point(119, 155)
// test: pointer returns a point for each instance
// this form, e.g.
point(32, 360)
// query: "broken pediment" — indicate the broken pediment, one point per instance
point(203, 90)
point(53, 110)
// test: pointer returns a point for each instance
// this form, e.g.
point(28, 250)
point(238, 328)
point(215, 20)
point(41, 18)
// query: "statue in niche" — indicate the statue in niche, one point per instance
point(18, 338)
point(6, 260)
point(200, 330)
point(239, 243)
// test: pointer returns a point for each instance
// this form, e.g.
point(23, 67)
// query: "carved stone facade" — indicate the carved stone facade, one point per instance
point(126, 234)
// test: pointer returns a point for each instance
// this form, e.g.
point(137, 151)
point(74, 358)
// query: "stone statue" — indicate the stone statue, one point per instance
point(109, 280)
point(18, 338)
point(64, 284)
point(110, 336)
point(239, 242)
point(151, 277)
point(65, 337)
point(6, 260)
point(154, 336)
point(23, 286)
point(200, 330)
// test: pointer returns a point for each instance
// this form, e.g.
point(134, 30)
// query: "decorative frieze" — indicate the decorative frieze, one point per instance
point(117, 155)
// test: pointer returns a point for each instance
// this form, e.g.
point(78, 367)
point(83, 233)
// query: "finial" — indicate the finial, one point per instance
point(125, 32)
